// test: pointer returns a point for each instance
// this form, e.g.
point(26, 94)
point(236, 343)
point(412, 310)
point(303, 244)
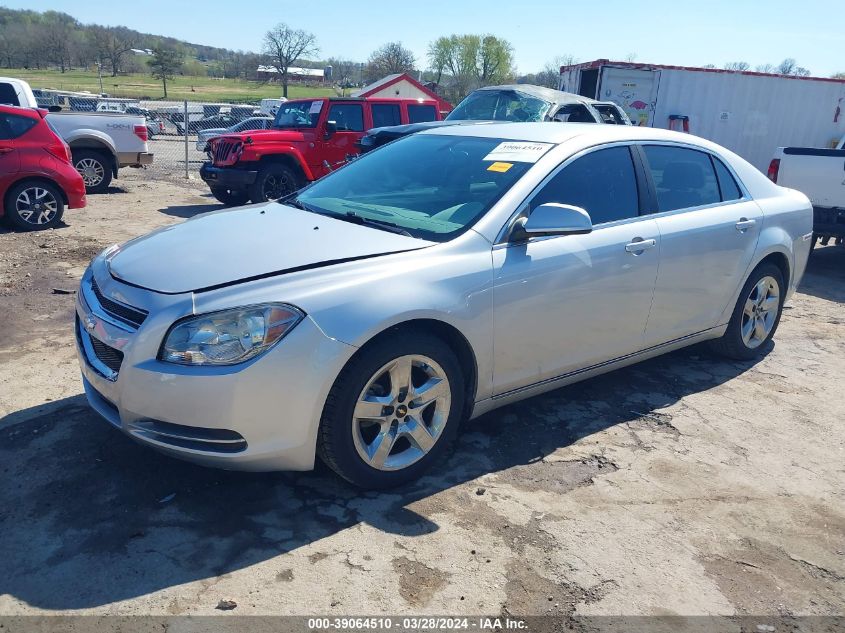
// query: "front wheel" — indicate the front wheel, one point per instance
point(393, 411)
point(95, 169)
point(756, 315)
point(272, 182)
point(34, 206)
point(230, 197)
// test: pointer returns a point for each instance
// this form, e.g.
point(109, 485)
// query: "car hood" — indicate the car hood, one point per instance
point(411, 128)
point(214, 131)
point(275, 135)
point(235, 245)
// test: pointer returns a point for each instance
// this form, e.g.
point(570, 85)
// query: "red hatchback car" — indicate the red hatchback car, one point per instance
point(37, 179)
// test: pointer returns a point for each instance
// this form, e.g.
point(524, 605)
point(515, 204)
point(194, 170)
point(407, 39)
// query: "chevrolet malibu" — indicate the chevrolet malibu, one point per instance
point(449, 273)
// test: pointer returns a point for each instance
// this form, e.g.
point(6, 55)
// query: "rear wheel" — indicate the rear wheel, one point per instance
point(230, 197)
point(273, 181)
point(756, 315)
point(393, 411)
point(34, 206)
point(95, 169)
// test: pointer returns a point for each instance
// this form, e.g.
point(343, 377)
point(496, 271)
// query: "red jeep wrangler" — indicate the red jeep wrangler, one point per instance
point(309, 138)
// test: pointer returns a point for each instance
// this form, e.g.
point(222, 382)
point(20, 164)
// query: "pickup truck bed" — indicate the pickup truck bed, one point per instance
point(819, 174)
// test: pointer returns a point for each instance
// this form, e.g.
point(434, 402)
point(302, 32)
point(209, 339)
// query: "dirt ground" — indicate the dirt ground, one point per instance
point(684, 485)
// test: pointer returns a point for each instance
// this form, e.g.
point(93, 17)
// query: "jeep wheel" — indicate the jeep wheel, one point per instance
point(273, 182)
point(230, 197)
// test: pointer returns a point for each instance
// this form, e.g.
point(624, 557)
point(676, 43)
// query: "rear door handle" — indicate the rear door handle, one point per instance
point(639, 245)
point(745, 224)
point(6, 150)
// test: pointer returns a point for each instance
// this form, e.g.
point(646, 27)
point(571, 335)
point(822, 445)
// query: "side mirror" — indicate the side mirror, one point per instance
point(331, 128)
point(552, 218)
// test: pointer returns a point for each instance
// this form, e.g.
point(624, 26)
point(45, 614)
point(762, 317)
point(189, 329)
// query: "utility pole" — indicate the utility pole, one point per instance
point(100, 75)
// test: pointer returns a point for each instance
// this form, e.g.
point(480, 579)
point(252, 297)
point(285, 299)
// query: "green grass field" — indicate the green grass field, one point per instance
point(144, 86)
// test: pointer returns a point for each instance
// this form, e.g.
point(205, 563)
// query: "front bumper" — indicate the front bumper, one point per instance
point(261, 415)
point(227, 177)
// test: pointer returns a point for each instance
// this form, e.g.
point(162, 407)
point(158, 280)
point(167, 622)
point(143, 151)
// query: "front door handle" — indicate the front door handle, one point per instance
point(638, 245)
point(744, 224)
point(6, 150)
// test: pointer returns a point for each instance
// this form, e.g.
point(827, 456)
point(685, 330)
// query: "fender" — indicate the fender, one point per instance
point(86, 134)
point(255, 152)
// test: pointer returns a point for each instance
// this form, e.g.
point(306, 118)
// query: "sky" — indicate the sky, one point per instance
point(658, 32)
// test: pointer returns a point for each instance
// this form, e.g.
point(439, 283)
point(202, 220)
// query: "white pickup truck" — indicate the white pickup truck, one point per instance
point(820, 175)
point(101, 142)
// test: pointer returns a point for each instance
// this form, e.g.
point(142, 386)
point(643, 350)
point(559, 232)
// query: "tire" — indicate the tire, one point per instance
point(273, 181)
point(345, 437)
point(95, 168)
point(230, 197)
point(749, 311)
point(43, 211)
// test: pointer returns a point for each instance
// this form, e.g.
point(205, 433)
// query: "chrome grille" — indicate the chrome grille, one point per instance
point(127, 314)
point(109, 356)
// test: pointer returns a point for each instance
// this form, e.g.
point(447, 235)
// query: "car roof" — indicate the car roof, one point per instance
point(546, 132)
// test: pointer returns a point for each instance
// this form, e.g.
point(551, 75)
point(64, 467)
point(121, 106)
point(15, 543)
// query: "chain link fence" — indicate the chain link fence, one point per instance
point(178, 130)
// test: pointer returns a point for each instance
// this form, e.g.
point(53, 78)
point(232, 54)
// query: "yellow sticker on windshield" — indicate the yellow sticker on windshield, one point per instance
point(500, 167)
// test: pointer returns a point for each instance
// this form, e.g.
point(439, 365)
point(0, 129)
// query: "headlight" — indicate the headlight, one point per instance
point(230, 336)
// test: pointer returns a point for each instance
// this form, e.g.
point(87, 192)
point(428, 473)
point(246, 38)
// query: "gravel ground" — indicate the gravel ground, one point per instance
point(684, 485)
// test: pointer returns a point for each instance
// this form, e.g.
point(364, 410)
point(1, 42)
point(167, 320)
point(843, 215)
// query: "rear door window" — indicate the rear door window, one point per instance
point(12, 126)
point(576, 184)
point(418, 113)
point(683, 178)
point(385, 114)
point(349, 117)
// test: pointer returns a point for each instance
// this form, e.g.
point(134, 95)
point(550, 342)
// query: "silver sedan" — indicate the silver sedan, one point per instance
point(433, 280)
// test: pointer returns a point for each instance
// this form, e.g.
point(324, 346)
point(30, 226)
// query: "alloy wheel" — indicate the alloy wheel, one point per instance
point(36, 205)
point(401, 412)
point(760, 312)
point(91, 170)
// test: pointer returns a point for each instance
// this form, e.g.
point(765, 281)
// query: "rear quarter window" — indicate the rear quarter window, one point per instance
point(727, 185)
point(13, 125)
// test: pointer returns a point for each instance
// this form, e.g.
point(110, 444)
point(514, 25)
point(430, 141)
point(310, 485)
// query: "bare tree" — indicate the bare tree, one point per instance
point(390, 59)
point(739, 66)
point(112, 44)
point(284, 45)
point(631, 58)
point(838, 76)
point(550, 75)
point(766, 68)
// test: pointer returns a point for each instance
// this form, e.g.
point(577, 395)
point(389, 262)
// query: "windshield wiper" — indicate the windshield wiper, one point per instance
point(292, 199)
point(353, 217)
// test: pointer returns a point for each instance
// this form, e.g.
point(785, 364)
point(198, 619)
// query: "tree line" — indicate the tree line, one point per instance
point(456, 64)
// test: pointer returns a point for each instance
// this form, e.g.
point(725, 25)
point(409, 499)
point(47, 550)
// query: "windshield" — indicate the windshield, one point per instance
point(432, 187)
point(499, 105)
point(301, 114)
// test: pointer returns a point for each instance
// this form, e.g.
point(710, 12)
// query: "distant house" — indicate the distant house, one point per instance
point(402, 85)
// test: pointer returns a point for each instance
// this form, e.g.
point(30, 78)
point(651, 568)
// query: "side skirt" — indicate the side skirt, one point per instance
point(550, 384)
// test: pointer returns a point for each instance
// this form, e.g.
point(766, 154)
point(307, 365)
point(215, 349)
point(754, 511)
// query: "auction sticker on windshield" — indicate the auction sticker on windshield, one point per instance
point(518, 152)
